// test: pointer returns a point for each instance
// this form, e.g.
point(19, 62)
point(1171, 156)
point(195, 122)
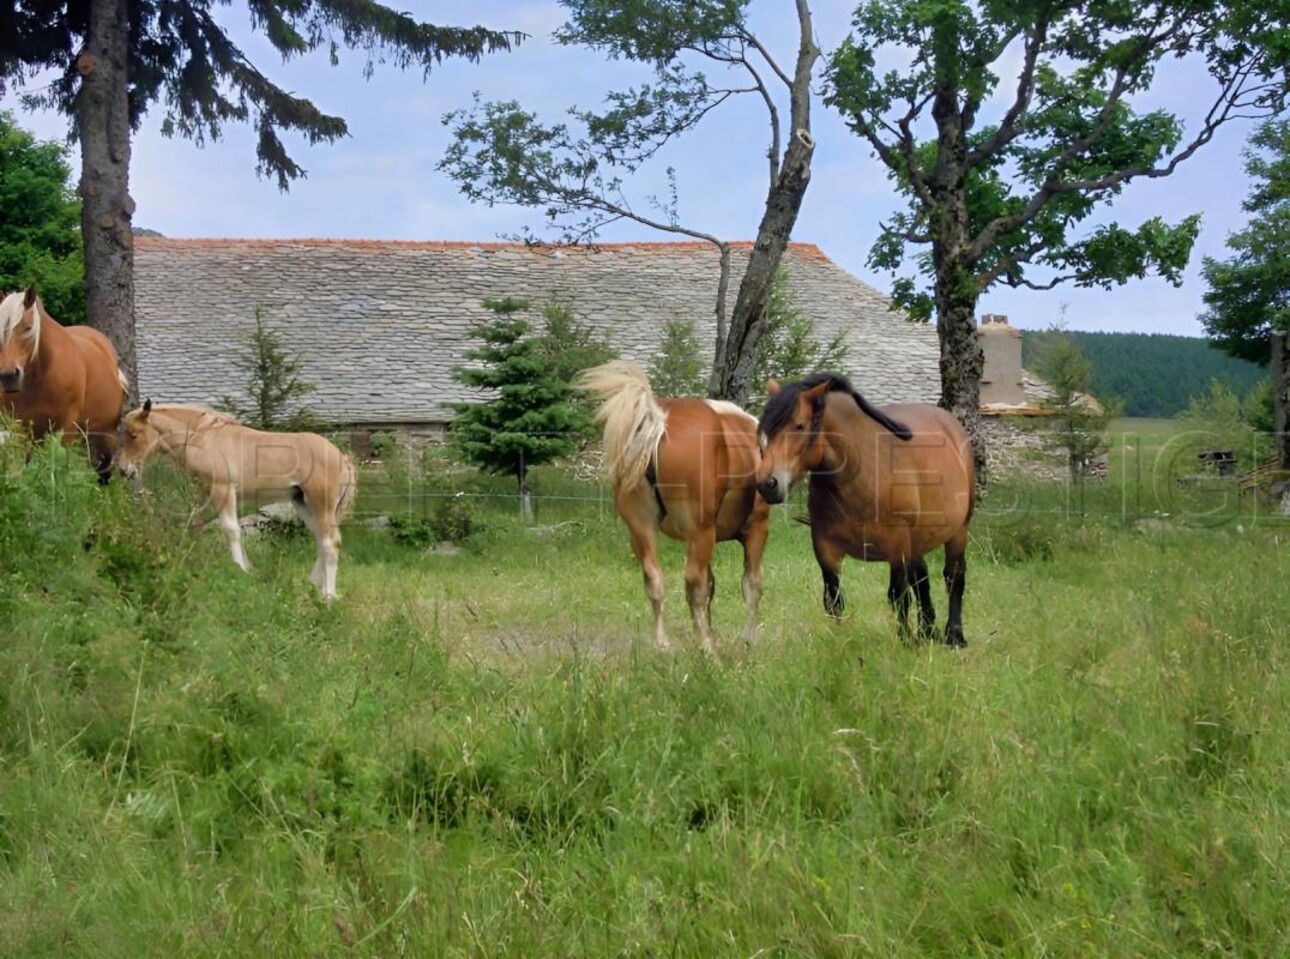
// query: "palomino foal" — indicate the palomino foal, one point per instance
point(230, 458)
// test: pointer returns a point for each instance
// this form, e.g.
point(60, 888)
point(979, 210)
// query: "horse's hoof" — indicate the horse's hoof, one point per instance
point(955, 639)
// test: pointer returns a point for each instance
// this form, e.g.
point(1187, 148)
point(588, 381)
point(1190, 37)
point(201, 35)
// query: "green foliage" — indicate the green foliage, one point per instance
point(677, 368)
point(40, 232)
point(789, 348)
point(1001, 192)
point(532, 415)
point(1249, 293)
point(1258, 406)
point(1151, 374)
point(574, 171)
point(182, 58)
point(568, 347)
point(273, 385)
point(1219, 416)
point(1077, 426)
point(453, 521)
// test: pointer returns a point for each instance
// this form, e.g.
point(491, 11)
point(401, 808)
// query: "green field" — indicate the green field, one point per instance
point(479, 754)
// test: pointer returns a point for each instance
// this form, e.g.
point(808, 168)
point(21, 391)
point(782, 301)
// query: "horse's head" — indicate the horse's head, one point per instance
point(19, 336)
point(138, 439)
point(789, 434)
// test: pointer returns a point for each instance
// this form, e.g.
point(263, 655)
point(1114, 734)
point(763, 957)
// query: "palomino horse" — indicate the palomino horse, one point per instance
point(59, 377)
point(686, 467)
point(887, 485)
point(231, 458)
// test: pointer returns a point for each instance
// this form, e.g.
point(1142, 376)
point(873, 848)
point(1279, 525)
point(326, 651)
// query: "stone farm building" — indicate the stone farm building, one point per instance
point(380, 325)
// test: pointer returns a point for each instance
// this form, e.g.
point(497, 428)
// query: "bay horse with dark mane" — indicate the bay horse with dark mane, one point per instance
point(887, 484)
point(57, 377)
point(687, 468)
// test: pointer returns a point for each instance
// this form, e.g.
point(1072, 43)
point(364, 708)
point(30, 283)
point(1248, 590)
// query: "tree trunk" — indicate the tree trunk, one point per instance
point(732, 378)
point(1281, 396)
point(956, 291)
point(961, 359)
point(103, 123)
point(719, 352)
point(748, 322)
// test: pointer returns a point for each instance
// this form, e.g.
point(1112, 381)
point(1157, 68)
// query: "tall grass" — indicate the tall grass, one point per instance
point(480, 754)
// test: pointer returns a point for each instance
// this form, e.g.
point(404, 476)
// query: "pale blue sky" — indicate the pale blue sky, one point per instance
point(381, 182)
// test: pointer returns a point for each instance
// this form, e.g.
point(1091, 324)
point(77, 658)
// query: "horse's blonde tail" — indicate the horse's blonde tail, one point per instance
point(634, 421)
point(123, 380)
point(348, 487)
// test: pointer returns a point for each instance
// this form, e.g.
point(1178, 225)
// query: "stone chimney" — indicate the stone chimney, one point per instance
point(1001, 376)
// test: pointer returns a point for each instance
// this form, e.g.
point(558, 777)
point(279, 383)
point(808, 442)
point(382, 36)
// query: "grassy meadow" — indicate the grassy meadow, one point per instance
point(479, 753)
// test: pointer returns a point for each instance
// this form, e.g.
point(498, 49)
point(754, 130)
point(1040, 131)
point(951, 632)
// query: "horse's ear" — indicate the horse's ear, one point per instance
point(772, 387)
point(147, 408)
point(29, 297)
point(816, 392)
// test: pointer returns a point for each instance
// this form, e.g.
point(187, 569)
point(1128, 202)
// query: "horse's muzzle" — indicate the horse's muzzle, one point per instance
point(772, 490)
point(11, 380)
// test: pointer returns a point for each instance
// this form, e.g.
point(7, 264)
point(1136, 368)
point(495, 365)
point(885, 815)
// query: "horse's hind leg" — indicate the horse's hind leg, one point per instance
point(317, 574)
point(754, 543)
point(327, 540)
point(921, 583)
point(224, 499)
point(699, 581)
point(955, 581)
point(644, 536)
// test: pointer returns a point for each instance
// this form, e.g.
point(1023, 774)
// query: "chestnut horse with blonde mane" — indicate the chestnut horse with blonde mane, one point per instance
point(887, 484)
point(57, 377)
point(687, 468)
point(232, 460)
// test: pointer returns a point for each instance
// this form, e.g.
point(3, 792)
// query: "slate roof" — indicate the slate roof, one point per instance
point(379, 325)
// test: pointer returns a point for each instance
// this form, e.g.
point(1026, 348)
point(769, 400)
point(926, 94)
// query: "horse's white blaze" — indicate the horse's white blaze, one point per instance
point(11, 313)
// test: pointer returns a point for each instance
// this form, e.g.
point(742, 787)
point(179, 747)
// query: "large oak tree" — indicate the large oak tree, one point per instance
point(1007, 125)
point(113, 60)
point(574, 172)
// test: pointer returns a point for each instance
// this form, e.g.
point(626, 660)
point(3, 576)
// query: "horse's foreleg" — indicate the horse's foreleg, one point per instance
point(898, 595)
point(102, 451)
point(955, 582)
point(920, 581)
point(754, 543)
point(699, 582)
point(225, 501)
point(829, 556)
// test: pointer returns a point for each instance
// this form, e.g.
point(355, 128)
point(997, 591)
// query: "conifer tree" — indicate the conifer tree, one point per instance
point(530, 415)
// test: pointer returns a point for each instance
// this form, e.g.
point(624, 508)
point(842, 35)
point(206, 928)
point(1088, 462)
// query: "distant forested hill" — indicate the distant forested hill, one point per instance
point(1152, 374)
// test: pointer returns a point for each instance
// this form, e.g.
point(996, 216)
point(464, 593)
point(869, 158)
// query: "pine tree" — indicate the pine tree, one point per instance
point(273, 384)
point(1079, 422)
point(790, 349)
point(531, 416)
point(568, 347)
point(677, 369)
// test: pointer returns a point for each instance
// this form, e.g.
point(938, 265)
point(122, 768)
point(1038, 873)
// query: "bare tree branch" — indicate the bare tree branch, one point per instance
point(1010, 127)
point(1231, 98)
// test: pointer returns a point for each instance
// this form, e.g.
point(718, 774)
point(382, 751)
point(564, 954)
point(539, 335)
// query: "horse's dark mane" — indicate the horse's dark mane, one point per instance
point(780, 408)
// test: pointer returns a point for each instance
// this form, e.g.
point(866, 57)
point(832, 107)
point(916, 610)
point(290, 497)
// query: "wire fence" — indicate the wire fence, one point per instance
point(1144, 481)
